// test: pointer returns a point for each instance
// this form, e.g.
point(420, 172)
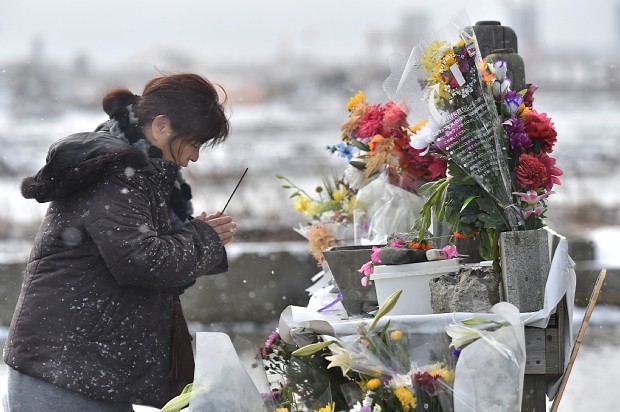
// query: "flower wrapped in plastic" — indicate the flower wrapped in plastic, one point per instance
point(393, 370)
point(375, 140)
point(499, 169)
point(481, 343)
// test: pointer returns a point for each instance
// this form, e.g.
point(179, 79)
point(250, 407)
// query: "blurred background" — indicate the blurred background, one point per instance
point(289, 68)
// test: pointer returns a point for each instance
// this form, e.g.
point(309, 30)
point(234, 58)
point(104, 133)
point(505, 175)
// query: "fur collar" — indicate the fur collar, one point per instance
point(78, 161)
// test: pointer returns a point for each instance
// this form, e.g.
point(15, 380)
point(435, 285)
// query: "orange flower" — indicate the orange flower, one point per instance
point(420, 245)
point(461, 235)
point(487, 75)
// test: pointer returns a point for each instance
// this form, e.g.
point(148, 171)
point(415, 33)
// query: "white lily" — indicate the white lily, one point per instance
point(340, 357)
point(462, 335)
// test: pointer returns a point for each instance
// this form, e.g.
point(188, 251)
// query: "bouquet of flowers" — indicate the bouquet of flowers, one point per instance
point(393, 370)
point(375, 138)
point(499, 170)
point(385, 168)
point(329, 212)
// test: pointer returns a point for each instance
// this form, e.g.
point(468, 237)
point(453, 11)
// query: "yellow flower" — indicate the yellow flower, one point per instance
point(330, 407)
point(418, 126)
point(396, 335)
point(340, 194)
point(442, 372)
point(312, 209)
point(282, 410)
point(406, 398)
point(432, 55)
point(447, 61)
point(356, 100)
point(355, 203)
point(301, 203)
point(373, 384)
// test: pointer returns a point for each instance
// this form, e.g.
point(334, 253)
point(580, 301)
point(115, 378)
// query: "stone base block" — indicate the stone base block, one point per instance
point(471, 290)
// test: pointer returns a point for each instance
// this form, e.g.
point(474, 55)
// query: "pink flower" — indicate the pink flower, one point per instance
point(274, 336)
point(531, 197)
point(398, 243)
point(374, 258)
point(451, 251)
point(533, 210)
point(367, 268)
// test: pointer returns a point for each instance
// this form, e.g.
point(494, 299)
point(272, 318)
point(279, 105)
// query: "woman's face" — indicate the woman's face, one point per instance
point(160, 133)
point(181, 152)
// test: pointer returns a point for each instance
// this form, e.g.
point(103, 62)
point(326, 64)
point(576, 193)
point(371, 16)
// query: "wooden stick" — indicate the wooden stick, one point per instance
point(582, 331)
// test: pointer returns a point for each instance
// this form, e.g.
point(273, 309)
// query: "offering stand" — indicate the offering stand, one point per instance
point(548, 331)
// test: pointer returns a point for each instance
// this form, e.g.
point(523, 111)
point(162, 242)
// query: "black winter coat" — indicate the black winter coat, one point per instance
point(95, 310)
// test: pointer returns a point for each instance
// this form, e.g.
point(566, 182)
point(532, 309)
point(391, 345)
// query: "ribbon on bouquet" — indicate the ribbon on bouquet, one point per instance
point(330, 304)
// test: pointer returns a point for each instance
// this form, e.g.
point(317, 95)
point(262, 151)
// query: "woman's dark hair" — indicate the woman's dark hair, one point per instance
point(190, 102)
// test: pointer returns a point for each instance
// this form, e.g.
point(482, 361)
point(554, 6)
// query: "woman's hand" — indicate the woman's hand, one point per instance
point(223, 225)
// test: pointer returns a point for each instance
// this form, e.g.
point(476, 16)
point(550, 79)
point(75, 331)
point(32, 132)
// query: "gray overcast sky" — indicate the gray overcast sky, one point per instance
point(112, 30)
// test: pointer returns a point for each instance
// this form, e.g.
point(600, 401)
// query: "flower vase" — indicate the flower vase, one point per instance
point(525, 261)
point(343, 263)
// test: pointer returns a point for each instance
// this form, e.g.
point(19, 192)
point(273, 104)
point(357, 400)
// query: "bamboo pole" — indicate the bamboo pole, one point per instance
point(582, 331)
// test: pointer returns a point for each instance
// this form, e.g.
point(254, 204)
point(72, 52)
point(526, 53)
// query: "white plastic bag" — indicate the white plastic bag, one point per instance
point(490, 371)
point(386, 209)
point(221, 380)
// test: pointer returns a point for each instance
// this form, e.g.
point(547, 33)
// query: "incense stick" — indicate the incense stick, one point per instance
point(234, 190)
point(582, 331)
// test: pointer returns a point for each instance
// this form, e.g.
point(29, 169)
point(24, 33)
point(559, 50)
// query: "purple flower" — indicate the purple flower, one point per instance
point(515, 129)
point(512, 101)
point(463, 60)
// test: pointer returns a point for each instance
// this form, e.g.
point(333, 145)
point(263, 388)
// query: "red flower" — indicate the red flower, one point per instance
point(371, 123)
point(531, 173)
point(540, 127)
point(552, 171)
point(528, 98)
point(394, 117)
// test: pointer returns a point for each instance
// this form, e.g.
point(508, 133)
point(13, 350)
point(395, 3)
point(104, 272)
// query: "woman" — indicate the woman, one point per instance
point(98, 325)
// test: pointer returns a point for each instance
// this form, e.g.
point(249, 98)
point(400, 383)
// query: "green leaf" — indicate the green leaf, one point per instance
point(313, 348)
point(360, 145)
point(357, 164)
point(468, 201)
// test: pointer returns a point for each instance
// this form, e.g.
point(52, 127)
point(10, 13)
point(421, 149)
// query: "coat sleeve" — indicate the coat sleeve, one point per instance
point(122, 224)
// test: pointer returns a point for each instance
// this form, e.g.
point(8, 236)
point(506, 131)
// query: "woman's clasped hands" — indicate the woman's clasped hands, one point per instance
point(223, 225)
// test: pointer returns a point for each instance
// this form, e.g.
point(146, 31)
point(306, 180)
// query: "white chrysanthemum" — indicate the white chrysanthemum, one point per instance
point(401, 380)
point(426, 136)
